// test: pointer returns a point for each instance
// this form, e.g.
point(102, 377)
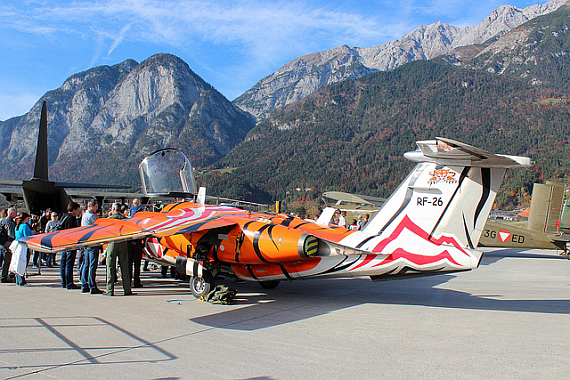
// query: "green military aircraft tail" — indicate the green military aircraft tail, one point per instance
point(544, 228)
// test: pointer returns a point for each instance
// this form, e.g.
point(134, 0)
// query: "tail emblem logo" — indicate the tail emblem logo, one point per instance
point(442, 175)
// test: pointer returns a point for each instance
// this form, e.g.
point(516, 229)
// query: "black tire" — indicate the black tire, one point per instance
point(201, 286)
point(269, 284)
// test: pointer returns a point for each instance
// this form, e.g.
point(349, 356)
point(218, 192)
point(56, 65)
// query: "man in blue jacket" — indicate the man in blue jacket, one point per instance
point(68, 257)
point(91, 258)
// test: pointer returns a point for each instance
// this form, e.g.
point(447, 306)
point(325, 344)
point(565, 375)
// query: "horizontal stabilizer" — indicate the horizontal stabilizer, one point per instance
point(453, 153)
point(11, 183)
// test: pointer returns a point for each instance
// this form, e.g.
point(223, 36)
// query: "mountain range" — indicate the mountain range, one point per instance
point(507, 95)
point(304, 75)
point(338, 119)
point(120, 114)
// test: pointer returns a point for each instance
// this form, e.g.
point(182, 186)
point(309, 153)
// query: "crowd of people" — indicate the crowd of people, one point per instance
point(15, 258)
point(358, 223)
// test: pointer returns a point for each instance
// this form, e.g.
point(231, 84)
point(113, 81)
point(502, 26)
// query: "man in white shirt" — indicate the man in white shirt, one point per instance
point(342, 220)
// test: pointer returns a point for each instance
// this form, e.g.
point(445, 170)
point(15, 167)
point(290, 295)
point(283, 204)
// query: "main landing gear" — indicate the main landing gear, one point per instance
point(269, 284)
point(201, 286)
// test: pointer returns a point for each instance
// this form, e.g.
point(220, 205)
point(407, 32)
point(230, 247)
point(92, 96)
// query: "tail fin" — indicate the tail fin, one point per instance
point(201, 198)
point(41, 166)
point(445, 200)
point(545, 206)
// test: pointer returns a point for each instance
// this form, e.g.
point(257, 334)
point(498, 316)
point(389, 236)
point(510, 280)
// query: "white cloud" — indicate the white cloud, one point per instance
point(232, 44)
point(235, 42)
point(261, 29)
point(119, 38)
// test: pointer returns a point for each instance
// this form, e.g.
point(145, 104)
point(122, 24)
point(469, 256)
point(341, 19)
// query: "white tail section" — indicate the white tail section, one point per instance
point(326, 216)
point(445, 200)
point(201, 199)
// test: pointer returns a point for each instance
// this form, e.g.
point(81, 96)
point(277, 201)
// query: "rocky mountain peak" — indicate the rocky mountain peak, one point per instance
point(304, 75)
point(300, 78)
point(120, 113)
point(535, 52)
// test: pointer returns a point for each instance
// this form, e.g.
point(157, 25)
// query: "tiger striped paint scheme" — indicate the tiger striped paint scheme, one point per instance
point(430, 225)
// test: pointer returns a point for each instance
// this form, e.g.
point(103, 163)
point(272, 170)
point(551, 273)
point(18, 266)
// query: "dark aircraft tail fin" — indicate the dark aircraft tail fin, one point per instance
point(41, 166)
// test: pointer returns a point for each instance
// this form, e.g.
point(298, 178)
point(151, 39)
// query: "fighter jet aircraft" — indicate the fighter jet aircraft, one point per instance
point(430, 225)
point(39, 193)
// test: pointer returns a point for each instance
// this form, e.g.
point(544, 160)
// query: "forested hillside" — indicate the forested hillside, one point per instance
point(351, 136)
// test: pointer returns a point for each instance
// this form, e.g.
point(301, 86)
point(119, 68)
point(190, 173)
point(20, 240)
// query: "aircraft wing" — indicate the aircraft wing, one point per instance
point(86, 194)
point(194, 227)
point(143, 224)
point(104, 230)
point(12, 193)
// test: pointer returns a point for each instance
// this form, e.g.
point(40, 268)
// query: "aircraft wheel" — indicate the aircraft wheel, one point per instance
point(269, 284)
point(201, 286)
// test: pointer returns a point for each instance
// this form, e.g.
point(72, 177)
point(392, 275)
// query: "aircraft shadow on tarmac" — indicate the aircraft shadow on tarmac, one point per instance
point(491, 257)
point(121, 342)
point(307, 299)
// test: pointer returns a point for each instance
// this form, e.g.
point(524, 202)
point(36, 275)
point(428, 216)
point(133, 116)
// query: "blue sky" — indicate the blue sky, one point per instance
point(230, 44)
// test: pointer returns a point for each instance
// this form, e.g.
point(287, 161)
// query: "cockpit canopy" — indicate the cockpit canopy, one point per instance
point(167, 171)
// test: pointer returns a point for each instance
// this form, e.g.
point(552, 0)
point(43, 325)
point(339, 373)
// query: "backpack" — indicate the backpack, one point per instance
point(3, 233)
point(222, 295)
point(60, 227)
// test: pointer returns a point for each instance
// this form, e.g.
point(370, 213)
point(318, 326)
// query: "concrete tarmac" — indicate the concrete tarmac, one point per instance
point(508, 319)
